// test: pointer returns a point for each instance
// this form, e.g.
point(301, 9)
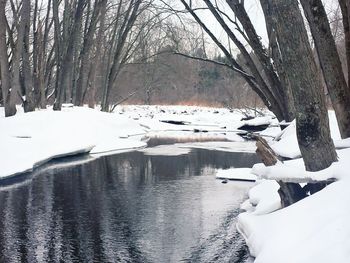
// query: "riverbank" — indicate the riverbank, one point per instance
point(314, 229)
point(28, 140)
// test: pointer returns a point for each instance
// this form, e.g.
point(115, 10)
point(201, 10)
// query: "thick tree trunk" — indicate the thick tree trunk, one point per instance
point(330, 62)
point(313, 132)
point(345, 10)
point(9, 103)
point(277, 60)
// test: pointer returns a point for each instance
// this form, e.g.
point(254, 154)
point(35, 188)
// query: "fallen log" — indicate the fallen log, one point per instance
point(289, 192)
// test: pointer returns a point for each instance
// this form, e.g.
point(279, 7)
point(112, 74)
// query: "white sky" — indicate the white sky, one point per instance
point(254, 11)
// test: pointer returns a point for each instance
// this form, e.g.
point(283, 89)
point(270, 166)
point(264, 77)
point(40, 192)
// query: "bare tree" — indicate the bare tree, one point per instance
point(82, 84)
point(7, 92)
point(121, 35)
point(330, 63)
point(313, 133)
point(28, 100)
point(256, 82)
point(345, 10)
point(66, 51)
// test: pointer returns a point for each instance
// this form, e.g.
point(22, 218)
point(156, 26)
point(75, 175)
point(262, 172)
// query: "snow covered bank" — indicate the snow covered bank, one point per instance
point(170, 119)
point(30, 139)
point(315, 229)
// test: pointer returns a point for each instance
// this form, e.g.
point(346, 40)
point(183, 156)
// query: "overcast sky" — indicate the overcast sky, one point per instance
point(254, 11)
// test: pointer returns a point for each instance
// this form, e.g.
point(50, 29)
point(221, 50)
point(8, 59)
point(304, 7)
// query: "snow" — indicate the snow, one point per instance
point(31, 139)
point(314, 229)
point(211, 120)
point(259, 121)
point(286, 143)
point(294, 170)
point(236, 174)
point(167, 150)
point(264, 197)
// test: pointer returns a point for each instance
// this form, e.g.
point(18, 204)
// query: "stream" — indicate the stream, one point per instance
point(128, 207)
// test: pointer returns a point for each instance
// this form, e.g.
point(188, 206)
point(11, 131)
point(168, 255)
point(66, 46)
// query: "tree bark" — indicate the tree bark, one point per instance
point(277, 60)
point(28, 102)
point(82, 84)
point(345, 10)
point(57, 37)
point(312, 123)
point(289, 193)
point(330, 62)
point(95, 68)
point(9, 103)
point(65, 82)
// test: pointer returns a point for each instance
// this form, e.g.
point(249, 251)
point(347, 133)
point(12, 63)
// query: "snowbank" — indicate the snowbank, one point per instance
point(214, 121)
point(30, 139)
point(314, 229)
point(243, 174)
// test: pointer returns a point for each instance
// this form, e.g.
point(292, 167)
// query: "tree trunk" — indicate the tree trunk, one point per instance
point(65, 76)
point(312, 123)
point(345, 10)
point(57, 36)
point(96, 66)
point(28, 102)
point(330, 62)
point(44, 70)
point(82, 84)
point(9, 103)
point(277, 60)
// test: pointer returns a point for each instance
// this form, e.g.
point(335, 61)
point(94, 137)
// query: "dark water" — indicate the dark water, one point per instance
point(126, 208)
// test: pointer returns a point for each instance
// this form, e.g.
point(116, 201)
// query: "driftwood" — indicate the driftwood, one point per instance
point(289, 192)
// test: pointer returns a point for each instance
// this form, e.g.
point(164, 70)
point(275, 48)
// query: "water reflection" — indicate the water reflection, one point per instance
point(126, 208)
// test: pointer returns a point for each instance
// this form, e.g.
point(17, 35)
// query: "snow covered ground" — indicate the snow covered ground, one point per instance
point(28, 140)
point(314, 229)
